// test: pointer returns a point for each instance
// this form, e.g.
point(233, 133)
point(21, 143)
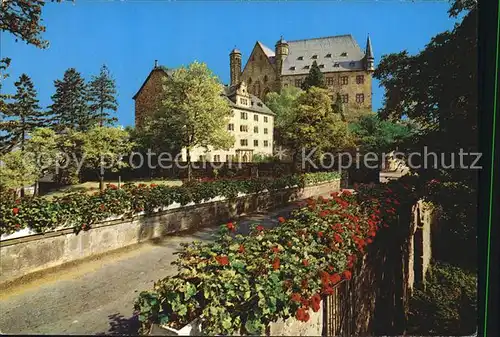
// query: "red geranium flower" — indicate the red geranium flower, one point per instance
point(347, 275)
point(15, 210)
point(335, 278)
point(305, 262)
point(328, 290)
point(276, 264)
point(296, 297)
point(18, 201)
point(102, 207)
point(17, 226)
point(241, 249)
point(302, 315)
point(223, 260)
point(260, 228)
point(153, 185)
point(275, 249)
point(281, 219)
point(304, 284)
point(320, 234)
point(337, 238)
point(230, 226)
point(369, 240)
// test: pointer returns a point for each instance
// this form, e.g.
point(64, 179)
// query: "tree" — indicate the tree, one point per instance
point(69, 108)
point(283, 106)
point(315, 127)
point(315, 78)
point(23, 19)
point(102, 91)
point(16, 171)
point(22, 115)
point(195, 110)
point(42, 146)
point(103, 148)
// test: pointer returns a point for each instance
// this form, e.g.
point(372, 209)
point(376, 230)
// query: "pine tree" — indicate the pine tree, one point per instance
point(315, 78)
point(102, 91)
point(21, 116)
point(69, 108)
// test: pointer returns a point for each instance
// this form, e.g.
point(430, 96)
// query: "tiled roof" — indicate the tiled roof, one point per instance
point(256, 103)
point(268, 51)
point(334, 53)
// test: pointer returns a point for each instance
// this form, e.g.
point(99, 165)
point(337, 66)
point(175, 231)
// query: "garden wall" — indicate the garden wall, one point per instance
point(22, 256)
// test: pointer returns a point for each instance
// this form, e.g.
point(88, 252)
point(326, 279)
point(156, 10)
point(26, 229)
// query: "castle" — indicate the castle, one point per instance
point(347, 69)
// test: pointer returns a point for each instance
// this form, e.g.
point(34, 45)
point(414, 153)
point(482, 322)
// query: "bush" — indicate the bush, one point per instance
point(447, 306)
point(239, 284)
point(81, 210)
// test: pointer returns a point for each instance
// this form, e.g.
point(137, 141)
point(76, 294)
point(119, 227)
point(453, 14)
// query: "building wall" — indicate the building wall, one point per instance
point(351, 89)
point(149, 98)
point(255, 72)
point(237, 121)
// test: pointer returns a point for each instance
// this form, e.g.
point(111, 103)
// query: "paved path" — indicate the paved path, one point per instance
point(97, 297)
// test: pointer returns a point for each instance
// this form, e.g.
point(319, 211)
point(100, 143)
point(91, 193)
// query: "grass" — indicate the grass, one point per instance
point(93, 186)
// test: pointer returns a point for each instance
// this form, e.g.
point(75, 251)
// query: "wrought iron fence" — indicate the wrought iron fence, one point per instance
point(338, 311)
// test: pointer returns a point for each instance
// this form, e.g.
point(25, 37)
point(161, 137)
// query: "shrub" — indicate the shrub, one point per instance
point(448, 304)
point(81, 210)
point(239, 284)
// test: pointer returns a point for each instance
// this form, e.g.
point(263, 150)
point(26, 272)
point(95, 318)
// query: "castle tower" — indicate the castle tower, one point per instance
point(235, 66)
point(369, 59)
point(281, 52)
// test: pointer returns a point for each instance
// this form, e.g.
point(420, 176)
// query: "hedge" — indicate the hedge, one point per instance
point(81, 210)
point(239, 284)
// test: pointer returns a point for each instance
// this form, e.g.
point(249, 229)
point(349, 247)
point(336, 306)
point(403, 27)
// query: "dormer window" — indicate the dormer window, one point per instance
point(321, 65)
point(306, 67)
point(300, 58)
point(343, 54)
point(328, 55)
point(314, 57)
point(259, 104)
point(336, 65)
point(292, 68)
point(351, 64)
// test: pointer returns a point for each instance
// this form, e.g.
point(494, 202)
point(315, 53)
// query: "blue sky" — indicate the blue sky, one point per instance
point(128, 36)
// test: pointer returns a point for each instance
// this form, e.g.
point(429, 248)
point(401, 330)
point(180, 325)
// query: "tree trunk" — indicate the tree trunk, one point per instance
point(37, 188)
point(188, 159)
point(101, 182)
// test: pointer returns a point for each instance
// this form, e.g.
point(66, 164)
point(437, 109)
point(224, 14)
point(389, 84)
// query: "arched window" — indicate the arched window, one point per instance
point(257, 89)
point(265, 92)
point(249, 81)
point(265, 79)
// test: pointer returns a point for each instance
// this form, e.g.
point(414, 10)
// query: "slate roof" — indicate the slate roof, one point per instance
point(256, 104)
point(329, 53)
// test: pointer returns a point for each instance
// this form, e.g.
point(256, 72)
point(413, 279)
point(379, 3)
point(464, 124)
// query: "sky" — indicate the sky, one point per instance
point(128, 36)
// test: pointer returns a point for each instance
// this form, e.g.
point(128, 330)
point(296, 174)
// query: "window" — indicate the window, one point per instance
point(217, 158)
point(300, 58)
point(345, 98)
point(286, 85)
point(244, 142)
point(265, 79)
point(360, 79)
point(321, 65)
point(255, 142)
point(265, 131)
point(292, 68)
point(306, 67)
point(330, 81)
point(336, 65)
point(265, 119)
point(344, 80)
point(243, 128)
point(314, 57)
point(230, 127)
point(360, 98)
point(343, 54)
point(266, 143)
point(328, 55)
point(298, 82)
point(244, 115)
point(260, 57)
point(243, 101)
point(229, 157)
point(256, 117)
point(201, 158)
point(255, 129)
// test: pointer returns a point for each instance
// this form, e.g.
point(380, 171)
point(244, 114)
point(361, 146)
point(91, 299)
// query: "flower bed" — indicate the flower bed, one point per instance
point(240, 284)
point(81, 210)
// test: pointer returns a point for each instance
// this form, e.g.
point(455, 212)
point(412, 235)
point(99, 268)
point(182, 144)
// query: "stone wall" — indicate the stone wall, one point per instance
point(23, 256)
point(148, 100)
